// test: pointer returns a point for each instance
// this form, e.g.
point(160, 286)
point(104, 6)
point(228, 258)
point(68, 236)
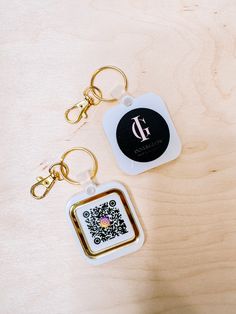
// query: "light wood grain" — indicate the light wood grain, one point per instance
point(184, 51)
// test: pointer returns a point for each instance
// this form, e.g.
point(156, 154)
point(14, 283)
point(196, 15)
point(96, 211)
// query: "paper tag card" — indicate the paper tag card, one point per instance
point(105, 223)
point(141, 133)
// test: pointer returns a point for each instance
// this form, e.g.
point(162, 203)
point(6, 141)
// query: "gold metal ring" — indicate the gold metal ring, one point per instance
point(107, 67)
point(58, 174)
point(93, 89)
point(93, 171)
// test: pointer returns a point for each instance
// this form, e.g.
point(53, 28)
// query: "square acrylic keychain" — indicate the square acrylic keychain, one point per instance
point(102, 217)
point(140, 130)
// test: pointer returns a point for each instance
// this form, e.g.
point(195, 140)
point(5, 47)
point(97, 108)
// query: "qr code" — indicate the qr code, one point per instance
point(105, 222)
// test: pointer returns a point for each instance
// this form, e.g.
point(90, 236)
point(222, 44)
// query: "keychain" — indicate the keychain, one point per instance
point(140, 130)
point(102, 217)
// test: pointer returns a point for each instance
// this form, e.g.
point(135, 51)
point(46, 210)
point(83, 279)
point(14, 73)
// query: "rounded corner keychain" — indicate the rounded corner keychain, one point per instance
point(102, 217)
point(139, 130)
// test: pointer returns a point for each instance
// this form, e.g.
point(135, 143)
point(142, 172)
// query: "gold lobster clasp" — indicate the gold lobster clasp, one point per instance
point(47, 183)
point(82, 107)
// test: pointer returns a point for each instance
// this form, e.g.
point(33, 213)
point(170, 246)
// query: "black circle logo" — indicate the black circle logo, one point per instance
point(143, 134)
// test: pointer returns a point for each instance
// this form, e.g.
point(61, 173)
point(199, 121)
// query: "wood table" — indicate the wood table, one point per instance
point(184, 51)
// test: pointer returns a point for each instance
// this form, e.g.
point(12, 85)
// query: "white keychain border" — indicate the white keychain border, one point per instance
point(112, 118)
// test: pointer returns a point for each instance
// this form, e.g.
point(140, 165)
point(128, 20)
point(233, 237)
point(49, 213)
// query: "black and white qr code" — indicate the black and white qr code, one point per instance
point(105, 222)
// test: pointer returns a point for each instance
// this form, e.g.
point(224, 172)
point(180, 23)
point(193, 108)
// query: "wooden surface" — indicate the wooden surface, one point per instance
point(184, 51)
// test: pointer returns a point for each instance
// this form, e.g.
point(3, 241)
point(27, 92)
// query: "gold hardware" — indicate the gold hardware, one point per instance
point(90, 94)
point(93, 171)
point(107, 67)
point(58, 173)
point(49, 181)
point(83, 105)
point(61, 174)
point(89, 90)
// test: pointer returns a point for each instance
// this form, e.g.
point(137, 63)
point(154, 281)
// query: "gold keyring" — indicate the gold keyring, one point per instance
point(107, 67)
point(93, 171)
point(59, 175)
point(93, 89)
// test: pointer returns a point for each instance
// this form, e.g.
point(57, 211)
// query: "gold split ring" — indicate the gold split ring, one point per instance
point(93, 171)
point(107, 67)
point(93, 90)
point(58, 174)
